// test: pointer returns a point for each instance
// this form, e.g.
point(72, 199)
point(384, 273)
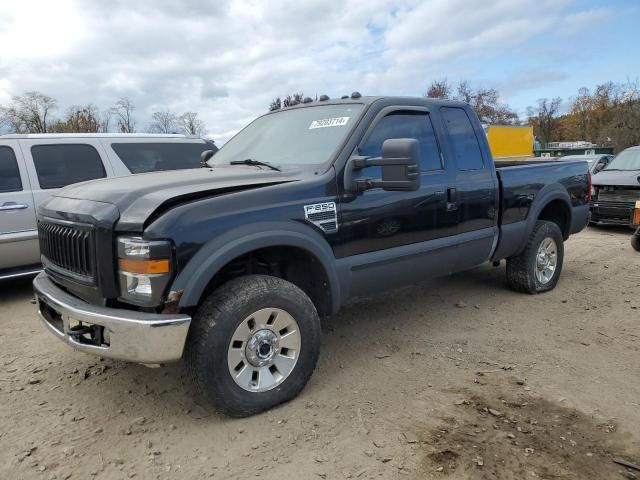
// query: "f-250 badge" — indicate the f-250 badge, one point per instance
point(323, 215)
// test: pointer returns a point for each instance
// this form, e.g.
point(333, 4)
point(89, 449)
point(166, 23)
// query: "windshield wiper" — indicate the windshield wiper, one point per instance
point(255, 163)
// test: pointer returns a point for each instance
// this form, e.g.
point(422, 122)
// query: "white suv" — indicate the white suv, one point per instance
point(33, 166)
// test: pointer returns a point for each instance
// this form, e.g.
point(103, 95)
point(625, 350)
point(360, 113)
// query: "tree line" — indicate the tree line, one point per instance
point(33, 112)
point(608, 115)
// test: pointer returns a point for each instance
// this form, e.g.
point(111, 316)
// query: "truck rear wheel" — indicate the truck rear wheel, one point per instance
point(537, 269)
point(253, 344)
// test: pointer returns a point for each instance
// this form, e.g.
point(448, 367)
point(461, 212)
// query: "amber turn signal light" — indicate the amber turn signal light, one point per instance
point(148, 267)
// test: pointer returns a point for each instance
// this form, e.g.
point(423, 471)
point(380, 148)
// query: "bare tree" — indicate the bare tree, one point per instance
point(105, 120)
point(192, 125)
point(164, 122)
point(123, 112)
point(622, 129)
point(276, 104)
point(4, 120)
point(291, 100)
point(29, 113)
point(485, 101)
point(544, 118)
point(78, 119)
point(439, 89)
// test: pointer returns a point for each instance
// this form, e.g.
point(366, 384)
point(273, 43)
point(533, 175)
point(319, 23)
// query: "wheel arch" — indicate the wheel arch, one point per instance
point(551, 200)
point(552, 204)
point(213, 256)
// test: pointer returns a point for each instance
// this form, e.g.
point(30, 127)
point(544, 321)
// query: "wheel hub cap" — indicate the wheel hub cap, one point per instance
point(264, 349)
point(261, 348)
point(546, 260)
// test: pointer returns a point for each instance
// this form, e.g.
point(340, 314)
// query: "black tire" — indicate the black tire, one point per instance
point(214, 325)
point(521, 269)
point(635, 240)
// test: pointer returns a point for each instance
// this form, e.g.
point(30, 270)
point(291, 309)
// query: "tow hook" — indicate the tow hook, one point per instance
point(94, 332)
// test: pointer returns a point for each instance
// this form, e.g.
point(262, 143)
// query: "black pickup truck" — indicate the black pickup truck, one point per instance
point(232, 265)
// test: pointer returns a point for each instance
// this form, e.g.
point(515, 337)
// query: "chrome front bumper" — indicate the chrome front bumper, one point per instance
point(128, 334)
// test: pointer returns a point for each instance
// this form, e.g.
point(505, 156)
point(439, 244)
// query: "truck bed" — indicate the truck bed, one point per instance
point(526, 184)
point(522, 181)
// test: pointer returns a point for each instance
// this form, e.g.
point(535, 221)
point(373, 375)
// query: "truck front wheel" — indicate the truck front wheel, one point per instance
point(253, 344)
point(537, 269)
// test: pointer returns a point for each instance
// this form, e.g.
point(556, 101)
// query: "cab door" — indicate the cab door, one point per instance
point(474, 199)
point(399, 236)
point(18, 232)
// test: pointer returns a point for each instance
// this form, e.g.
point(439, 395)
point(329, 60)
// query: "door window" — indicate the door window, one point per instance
point(404, 124)
point(9, 172)
point(463, 139)
point(155, 157)
point(61, 165)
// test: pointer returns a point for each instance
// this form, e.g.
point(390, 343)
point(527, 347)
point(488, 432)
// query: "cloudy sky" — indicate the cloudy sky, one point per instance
point(227, 59)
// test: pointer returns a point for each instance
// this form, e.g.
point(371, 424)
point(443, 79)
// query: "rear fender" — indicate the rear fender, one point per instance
point(514, 236)
point(548, 194)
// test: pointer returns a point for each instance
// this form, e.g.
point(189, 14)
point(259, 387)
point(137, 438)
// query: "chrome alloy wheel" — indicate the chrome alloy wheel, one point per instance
point(546, 260)
point(264, 350)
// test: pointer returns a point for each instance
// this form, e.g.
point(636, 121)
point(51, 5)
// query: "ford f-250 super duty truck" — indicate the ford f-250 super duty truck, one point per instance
point(232, 265)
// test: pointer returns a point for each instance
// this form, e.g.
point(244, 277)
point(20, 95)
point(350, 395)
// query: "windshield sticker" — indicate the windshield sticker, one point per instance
point(329, 122)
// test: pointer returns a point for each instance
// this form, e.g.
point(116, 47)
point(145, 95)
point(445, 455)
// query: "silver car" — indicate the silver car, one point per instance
point(34, 166)
point(596, 162)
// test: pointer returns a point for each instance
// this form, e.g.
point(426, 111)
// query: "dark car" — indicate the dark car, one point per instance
point(616, 189)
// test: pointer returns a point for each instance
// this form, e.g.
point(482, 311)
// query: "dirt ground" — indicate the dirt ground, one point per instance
point(450, 379)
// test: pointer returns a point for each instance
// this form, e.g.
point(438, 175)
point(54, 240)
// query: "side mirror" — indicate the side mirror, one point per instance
point(400, 164)
point(206, 156)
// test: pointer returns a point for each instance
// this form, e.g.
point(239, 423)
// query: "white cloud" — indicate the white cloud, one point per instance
point(228, 59)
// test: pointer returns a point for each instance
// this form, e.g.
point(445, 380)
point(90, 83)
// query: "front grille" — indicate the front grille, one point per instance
point(618, 195)
point(69, 248)
point(608, 204)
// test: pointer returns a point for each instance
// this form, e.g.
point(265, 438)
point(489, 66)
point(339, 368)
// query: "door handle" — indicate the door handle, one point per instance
point(452, 199)
point(13, 206)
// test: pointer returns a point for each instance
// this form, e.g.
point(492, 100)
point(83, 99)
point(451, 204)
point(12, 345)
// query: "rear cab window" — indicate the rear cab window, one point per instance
point(156, 156)
point(462, 138)
point(10, 180)
point(60, 165)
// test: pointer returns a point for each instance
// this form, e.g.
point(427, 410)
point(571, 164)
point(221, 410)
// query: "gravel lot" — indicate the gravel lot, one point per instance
point(455, 378)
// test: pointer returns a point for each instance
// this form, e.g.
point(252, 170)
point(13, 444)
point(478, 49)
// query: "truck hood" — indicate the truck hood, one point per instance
point(617, 177)
point(137, 197)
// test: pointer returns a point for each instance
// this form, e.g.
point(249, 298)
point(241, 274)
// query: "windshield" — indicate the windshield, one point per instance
point(301, 136)
point(626, 160)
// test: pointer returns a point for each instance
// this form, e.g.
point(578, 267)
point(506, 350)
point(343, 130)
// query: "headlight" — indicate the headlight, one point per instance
point(144, 269)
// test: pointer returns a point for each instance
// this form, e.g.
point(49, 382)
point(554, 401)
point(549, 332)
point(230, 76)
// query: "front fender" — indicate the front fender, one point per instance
point(216, 253)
